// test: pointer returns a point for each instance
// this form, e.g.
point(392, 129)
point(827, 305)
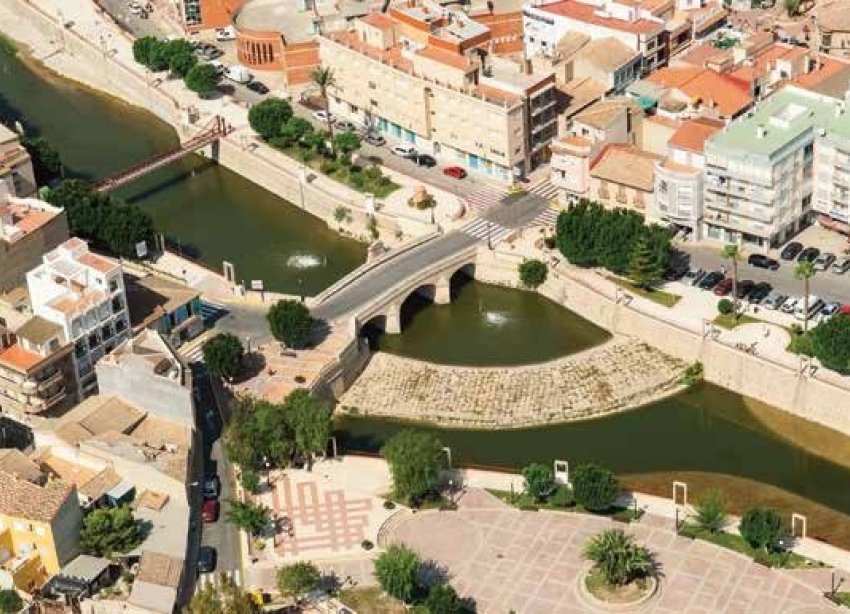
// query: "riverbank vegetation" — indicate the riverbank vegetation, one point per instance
point(665, 299)
point(829, 342)
point(533, 273)
point(178, 57)
point(415, 459)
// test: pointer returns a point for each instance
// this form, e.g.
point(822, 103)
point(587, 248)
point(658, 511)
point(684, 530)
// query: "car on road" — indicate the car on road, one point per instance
point(210, 510)
point(207, 557)
point(710, 280)
point(824, 261)
point(454, 171)
point(258, 87)
point(405, 150)
point(790, 304)
point(791, 251)
point(724, 287)
point(322, 116)
point(425, 160)
point(763, 262)
point(212, 486)
point(345, 125)
point(693, 277)
point(840, 266)
point(374, 138)
point(774, 300)
point(810, 254)
point(744, 287)
point(759, 292)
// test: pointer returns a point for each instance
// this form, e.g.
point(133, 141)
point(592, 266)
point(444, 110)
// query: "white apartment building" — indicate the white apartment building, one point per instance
point(83, 293)
point(421, 76)
point(760, 171)
point(638, 25)
point(679, 178)
point(832, 173)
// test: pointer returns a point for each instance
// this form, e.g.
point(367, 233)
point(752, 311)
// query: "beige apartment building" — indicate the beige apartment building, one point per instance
point(423, 76)
point(17, 177)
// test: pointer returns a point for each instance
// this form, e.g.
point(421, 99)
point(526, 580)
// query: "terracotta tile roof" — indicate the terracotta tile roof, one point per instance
point(692, 134)
point(379, 20)
point(97, 415)
point(22, 499)
point(675, 166)
point(16, 463)
point(77, 301)
point(443, 56)
point(587, 13)
point(711, 88)
point(602, 114)
point(99, 263)
point(26, 219)
point(700, 55)
point(626, 165)
point(17, 358)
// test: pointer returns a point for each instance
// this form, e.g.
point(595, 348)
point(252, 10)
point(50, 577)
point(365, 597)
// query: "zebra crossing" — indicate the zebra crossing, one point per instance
point(193, 354)
point(483, 229)
point(219, 578)
point(483, 198)
point(544, 189)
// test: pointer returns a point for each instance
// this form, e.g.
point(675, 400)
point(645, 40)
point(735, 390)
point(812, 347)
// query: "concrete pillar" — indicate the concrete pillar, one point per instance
point(443, 291)
point(392, 326)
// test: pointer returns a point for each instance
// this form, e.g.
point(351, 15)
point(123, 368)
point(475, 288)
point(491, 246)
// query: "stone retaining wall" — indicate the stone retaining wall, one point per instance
point(616, 376)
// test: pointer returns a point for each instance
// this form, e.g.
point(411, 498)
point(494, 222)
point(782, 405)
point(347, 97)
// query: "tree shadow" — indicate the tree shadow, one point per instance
point(431, 573)
point(253, 364)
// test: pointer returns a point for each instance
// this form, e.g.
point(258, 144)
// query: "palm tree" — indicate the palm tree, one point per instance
point(805, 271)
point(618, 558)
point(323, 77)
point(732, 253)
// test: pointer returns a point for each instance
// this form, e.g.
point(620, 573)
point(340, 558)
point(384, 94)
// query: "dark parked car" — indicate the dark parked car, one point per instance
point(763, 262)
point(724, 287)
point(676, 270)
point(810, 254)
point(711, 280)
point(258, 86)
point(206, 559)
point(373, 138)
point(425, 160)
point(790, 251)
point(212, 486)
point(760, 292)
point(744, 288)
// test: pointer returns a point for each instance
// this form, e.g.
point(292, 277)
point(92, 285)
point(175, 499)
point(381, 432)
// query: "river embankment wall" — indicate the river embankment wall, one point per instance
point(793, 390)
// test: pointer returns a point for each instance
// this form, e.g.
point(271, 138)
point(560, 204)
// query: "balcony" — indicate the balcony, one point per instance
point(46, 382)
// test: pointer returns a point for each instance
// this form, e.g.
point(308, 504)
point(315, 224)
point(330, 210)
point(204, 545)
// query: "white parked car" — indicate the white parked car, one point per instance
point(790, 304)
point(225, 34)
point(814, 306)
point(345, 125)
point(405, 150)
point(323, 117)
point(841, 266)
point(237, 73)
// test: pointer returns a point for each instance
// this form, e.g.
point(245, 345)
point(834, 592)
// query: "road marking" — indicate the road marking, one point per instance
point(481, 229)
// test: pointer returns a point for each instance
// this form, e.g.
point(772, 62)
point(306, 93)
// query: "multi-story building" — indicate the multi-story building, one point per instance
point(831, 173)
point(623, 177)
point(760, 177)
point(36, 369)
point(28, 229)
point(423, 75)
point(679, 178)
point(17, 177)
point(40, 522)
point(84, 294)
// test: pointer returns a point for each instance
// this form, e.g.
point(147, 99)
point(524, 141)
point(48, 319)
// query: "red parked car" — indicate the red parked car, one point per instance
point(724, 287)
point(209, 510)
point(454, 171)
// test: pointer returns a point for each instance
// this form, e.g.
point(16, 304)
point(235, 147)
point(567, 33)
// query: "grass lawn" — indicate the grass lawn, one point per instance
point(371, 600)
point(842, 599)
point(667, 299)
point(728, 321)
point(784, 560)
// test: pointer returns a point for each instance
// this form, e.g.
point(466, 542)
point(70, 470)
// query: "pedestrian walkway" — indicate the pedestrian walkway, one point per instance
point(544, 189)
point(486, 230)
point(212, 311)
point(219, 578)
point(480, 201)
point(193, 354)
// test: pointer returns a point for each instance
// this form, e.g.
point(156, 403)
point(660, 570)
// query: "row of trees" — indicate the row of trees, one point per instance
point(108, 223)
point(594, 488)
point(618, 240)
point(178, 57)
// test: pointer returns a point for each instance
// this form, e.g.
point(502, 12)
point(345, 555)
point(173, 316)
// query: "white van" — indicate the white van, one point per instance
point(225, 34)
point(237, 73)
point(815, 304)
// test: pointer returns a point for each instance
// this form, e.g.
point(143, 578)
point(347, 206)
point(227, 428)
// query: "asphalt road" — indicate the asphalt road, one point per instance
point(511, 213)
point(827, 285)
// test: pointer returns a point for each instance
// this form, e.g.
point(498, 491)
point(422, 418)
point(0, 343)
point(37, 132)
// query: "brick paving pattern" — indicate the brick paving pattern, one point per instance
point(530, 562)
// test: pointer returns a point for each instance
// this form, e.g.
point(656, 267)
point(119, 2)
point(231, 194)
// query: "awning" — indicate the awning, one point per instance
point(646, 103)
point(833, 224)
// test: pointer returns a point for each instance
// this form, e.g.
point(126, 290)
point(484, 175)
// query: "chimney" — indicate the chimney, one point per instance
point(526, 66)
point(760, 132)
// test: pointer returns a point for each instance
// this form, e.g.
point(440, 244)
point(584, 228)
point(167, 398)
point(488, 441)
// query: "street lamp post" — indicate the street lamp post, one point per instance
point(301, 289)
point(489, 237)
point(448, 452)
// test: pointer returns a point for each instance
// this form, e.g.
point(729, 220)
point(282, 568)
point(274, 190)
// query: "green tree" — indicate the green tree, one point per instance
point(181, 63)
point(644, 269)
point(762, 528)
point(268, 117)
point(346, 142)
point(396, 570)
point(253, 518)
point(732, 253)
point(202, 79)
point(532, 273)
point(123, 227)
point(45, 159)
point(145, 49)
point(711, 511)
point(618, 558)
point(298, 579)
point(259, 433)
point(595, 488)
point(175, 47)
point(539, 480)
point(250, 480)
point(323, 77)
point(223, 355)
point(443, 599)
point(292, 132)
point(415, 459)
point(805, 271)
point(725, 306)
point(10, 601)
point(222, 598)
point(290, 322)
point(110, 530)
point(830, 343)
point(311, 422)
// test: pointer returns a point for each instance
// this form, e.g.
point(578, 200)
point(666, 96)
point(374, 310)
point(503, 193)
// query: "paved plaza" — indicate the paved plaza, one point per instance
point(530, 562)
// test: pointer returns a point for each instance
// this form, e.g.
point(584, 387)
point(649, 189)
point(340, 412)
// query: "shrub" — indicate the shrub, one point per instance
point(372, 227)
point(290, 321)
point(595, 488)
point(562, 497)
point(396, 570)
point(415, 459)
point(550, 242)
point(539, 480)
point(532, 273)
point(618, 558)
point(711, 511)
point(268, 117)
point(389, 505)
point(223, 355)
point(830, 343)
point(342, 214)
point(250, 480)
point(762, 528)
point(329, 167)
point(10, 601)
point(298, 579)
point(366, 544)
point(693, 374)
point(725, 306)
